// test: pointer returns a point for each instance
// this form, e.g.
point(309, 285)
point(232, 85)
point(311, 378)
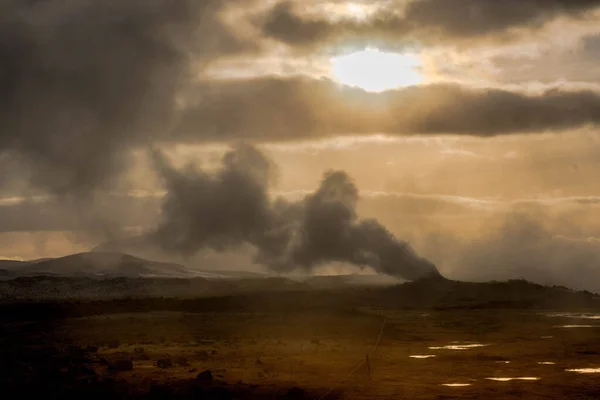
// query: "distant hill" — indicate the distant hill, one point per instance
point(271, 294)
point(8, 264)
point(97, 265)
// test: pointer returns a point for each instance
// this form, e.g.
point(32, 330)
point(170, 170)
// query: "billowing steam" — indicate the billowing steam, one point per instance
point(232, 207)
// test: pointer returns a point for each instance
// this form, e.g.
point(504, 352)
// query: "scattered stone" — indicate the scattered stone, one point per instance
point(182, 361)
point(202, 355)
point(140, 353)
point(164, 363)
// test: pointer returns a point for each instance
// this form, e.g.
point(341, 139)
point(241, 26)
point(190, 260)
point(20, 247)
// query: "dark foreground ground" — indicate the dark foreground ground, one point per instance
point(302, 344)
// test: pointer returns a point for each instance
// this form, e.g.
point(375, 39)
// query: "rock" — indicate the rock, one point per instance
point(182, 361)
point(218, 393)
point(81, 372)
point(295, 393)
point(202, 355)
point(140, 353)
point(164, 363)
point(76, 351)
point(205, 377)
point(122, 364)
point(160, 392)
point(92, 349)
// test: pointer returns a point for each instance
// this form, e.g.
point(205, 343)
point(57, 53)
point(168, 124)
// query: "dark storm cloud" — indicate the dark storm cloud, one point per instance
point(231, 207)
point(422, 21)
point(82, 81)
point(275, 109)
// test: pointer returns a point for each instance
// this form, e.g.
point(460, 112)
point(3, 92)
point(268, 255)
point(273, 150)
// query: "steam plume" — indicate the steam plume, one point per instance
point(232, 207)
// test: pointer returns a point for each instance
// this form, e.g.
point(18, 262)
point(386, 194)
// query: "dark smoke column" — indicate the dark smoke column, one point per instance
point(231, 207)
point(392, 256)
point(324, 227)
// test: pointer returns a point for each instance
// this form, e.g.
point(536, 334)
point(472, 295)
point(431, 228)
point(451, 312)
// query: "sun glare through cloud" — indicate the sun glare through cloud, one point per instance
point(375, 71)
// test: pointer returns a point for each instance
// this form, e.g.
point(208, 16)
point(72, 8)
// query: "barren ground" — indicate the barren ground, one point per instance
point(263, 352)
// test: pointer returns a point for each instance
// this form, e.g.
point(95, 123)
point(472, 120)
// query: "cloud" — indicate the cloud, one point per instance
point(543, 61)
point(525, 247)
point(472, 18)
point(78, 97)
point(421, 21)
point(590, 47)
point(84, 81)
point(274, 109)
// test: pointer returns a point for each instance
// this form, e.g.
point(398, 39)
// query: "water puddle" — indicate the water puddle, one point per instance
point(546, 363)
point(575, 315)
point(456, 384)
point(525, 378)
point(577, 326)
point(423, 356)
point(502, 362)
point(458, 346)
point(585, 370)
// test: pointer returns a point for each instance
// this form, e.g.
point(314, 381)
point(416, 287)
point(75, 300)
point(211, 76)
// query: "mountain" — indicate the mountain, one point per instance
point(98, 265)
point(8, 264)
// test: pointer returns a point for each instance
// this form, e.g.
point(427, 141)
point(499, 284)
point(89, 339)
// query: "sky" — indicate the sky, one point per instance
point(468, 128)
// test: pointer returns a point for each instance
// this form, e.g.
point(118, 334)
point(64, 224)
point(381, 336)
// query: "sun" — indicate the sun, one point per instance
point(376, 71)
